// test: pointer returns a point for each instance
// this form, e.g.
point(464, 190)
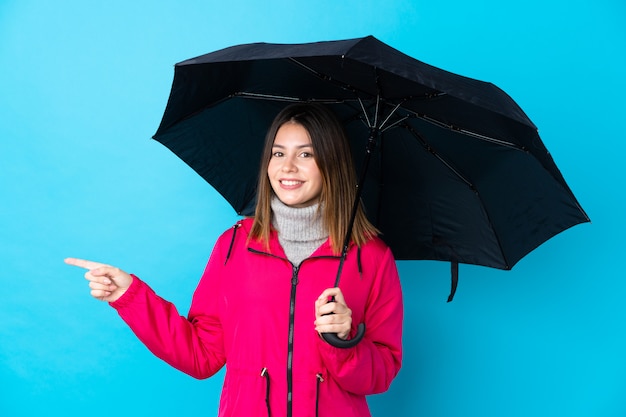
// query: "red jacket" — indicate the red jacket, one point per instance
point(254, 311)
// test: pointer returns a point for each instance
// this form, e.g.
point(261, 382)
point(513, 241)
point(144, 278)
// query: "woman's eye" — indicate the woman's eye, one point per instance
point(277, 154)
point(306, 154)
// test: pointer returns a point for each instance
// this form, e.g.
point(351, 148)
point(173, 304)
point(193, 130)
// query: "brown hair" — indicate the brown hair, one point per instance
point(332, 155)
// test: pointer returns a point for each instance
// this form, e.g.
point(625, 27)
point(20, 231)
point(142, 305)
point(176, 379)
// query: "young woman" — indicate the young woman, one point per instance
point(262, 301)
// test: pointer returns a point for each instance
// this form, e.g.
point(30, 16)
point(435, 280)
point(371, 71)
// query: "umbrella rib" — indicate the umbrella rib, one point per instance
point(394, 124)
point(367, 118)
point(377, 108)
point(382, 125)
point(261, 96)
point(433, 152)
point(489, 139)
point(324, 77)
point(467, 132)
point(265, 96)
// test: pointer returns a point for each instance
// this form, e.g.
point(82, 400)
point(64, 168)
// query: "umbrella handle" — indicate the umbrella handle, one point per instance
point(334, 340)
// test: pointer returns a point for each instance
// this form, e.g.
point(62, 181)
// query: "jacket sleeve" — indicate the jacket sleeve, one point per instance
point(370, 366)
point(193, 345)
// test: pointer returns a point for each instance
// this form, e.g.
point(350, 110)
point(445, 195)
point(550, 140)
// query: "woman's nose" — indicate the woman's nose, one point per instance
point(289, 165)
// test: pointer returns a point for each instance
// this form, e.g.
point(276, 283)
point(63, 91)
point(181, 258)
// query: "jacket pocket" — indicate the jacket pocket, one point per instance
point(244, 393)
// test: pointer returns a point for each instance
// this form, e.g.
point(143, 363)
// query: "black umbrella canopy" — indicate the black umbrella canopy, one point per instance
point(458, 171)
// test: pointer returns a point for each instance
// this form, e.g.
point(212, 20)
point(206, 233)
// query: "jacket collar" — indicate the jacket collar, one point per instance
point(275, 248)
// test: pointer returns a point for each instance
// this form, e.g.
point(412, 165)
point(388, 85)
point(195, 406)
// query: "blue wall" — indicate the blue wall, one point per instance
point(82, 89)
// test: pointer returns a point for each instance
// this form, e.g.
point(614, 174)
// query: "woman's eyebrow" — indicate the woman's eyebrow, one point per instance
point(307, 145)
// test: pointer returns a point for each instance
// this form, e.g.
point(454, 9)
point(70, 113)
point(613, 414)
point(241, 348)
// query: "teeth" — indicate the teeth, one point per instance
point(288, 183)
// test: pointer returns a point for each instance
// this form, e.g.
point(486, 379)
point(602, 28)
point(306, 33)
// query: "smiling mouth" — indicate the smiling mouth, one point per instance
point(291, 183)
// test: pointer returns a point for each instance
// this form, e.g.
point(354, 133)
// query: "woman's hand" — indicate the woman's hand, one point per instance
point(333, 317)
point(107, 283)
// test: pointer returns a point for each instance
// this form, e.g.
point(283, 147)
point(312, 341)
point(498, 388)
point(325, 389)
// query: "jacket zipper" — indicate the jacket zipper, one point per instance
point(320, 379)
point(292, 314)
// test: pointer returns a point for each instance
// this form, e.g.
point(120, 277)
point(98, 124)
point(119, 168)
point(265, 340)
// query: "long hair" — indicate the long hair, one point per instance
point(332, 155)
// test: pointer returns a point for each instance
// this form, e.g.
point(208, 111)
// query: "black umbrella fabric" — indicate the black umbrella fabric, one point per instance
point(457, 172)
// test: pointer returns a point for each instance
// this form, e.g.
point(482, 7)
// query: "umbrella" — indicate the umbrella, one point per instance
point(457, 171)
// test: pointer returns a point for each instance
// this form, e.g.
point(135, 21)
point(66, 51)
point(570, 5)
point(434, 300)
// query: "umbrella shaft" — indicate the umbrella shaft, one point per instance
point(371, 144)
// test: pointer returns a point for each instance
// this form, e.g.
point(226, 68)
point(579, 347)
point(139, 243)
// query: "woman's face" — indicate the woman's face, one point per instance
point(292, 170)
